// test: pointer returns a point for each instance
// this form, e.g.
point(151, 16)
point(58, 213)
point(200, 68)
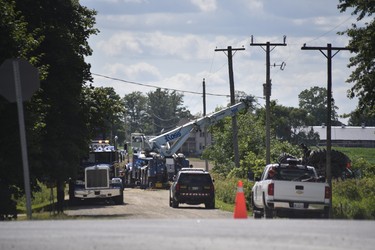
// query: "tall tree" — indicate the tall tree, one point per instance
point(360, 117)
point(166, 110)
point(136, 112)
point(17, 41)
point(363, 42)
point(314, 101)
point(66, 27)
point(287, 121)
point(105, 110)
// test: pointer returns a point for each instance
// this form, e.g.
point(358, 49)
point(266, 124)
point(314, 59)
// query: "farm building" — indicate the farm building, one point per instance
point(347, 136)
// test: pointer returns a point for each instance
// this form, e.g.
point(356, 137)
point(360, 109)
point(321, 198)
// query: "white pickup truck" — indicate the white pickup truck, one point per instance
point(290, 190)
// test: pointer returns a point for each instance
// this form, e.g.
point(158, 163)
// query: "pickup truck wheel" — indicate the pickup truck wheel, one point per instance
point(268, 213)
point(257, 213)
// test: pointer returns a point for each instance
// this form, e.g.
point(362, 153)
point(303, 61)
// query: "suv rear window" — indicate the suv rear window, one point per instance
point(191, 179)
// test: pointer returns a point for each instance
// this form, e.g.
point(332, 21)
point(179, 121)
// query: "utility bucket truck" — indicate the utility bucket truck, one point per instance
point(164, 147)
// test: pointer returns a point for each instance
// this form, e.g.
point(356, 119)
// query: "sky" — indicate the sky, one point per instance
point(171, 44)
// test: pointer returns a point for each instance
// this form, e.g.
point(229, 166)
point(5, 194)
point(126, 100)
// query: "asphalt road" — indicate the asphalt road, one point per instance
point(187, 234)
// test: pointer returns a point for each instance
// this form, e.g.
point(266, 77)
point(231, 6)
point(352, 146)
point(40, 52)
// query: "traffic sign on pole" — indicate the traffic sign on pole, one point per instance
point(19, 80)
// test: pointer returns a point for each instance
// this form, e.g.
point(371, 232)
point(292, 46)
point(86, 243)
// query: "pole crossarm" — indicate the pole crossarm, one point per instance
point(322, 49)
point(227, 50)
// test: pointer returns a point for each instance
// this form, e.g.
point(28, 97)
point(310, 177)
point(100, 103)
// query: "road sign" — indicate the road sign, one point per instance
point(28, 77)
point(19, 80)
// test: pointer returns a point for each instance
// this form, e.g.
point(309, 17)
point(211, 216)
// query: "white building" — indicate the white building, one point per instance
point(347, 136)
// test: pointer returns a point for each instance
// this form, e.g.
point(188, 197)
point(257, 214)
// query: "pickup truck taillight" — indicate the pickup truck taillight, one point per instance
point(271, 189)
point(327, 193)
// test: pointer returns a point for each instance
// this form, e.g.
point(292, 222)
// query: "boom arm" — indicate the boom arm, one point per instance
point(179, 135)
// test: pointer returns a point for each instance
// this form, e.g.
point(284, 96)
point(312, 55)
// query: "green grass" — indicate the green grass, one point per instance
point(40, 202)
point(354, 153)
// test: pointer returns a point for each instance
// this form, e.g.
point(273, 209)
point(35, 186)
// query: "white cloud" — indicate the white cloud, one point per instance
point(205, 5)
point(133, 72)
point(119, 43)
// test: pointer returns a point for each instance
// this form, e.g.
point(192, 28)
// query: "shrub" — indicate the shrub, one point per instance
point(226, 189)
point(354, 199)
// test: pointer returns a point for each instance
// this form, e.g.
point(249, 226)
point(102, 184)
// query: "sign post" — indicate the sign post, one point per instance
point(19, 81)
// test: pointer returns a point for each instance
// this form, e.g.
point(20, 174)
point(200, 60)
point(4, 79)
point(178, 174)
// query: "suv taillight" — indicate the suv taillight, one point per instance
point(271, 189)
point(327, 193)
point(177, 187)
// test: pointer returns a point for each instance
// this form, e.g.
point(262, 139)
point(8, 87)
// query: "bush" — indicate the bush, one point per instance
point(354, 199)
point(226, 189)
point(366, 168)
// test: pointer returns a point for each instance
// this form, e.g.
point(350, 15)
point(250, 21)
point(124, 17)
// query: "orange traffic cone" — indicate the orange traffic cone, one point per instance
point(240, 211)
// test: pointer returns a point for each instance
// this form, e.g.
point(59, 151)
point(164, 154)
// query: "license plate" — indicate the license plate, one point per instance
point(195, 188)
point(159, 185)
point(298, 205)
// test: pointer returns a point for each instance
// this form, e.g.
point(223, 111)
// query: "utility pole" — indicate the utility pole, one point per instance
point(232, 100)
point(267, 91)
point(329, 57)
point(204, 114)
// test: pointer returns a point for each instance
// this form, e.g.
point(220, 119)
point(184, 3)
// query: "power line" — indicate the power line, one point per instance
point(154, 86)
point(329, 31)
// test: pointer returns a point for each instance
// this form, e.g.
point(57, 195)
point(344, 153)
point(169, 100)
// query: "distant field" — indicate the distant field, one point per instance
point(366, 153)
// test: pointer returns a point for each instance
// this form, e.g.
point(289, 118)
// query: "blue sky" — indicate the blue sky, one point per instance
point(171, 44)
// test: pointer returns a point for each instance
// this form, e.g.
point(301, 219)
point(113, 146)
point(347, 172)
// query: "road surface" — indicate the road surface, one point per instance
point(146, 204)
point(189, 234)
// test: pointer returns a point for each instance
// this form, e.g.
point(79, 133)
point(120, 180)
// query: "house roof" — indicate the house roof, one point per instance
point(349, 133)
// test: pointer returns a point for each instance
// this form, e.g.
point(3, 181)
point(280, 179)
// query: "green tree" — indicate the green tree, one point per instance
point(65, 27)
point(314, 101)
point(361, 116)
point(286, 121)
point(17, 41)
point(363, 43)
point(165, 110)
point(106, 110)
point(136, 112)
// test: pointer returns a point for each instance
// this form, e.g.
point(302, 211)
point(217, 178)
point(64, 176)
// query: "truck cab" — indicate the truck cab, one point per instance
point(97, 176)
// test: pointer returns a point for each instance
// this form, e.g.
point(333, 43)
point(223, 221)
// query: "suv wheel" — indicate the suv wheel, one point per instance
point(210, 205)
point(174, 204)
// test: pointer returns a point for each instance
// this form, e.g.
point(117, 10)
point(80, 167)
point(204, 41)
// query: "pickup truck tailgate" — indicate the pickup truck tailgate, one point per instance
point(299, 191)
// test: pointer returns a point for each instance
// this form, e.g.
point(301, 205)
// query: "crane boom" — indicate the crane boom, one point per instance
point(180, 134)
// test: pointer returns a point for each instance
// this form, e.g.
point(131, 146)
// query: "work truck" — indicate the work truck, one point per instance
point(290, 189)
point(98, 176)
point(166, 161)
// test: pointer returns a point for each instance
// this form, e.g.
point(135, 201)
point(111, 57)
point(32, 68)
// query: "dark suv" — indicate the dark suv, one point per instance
point(192, 186)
